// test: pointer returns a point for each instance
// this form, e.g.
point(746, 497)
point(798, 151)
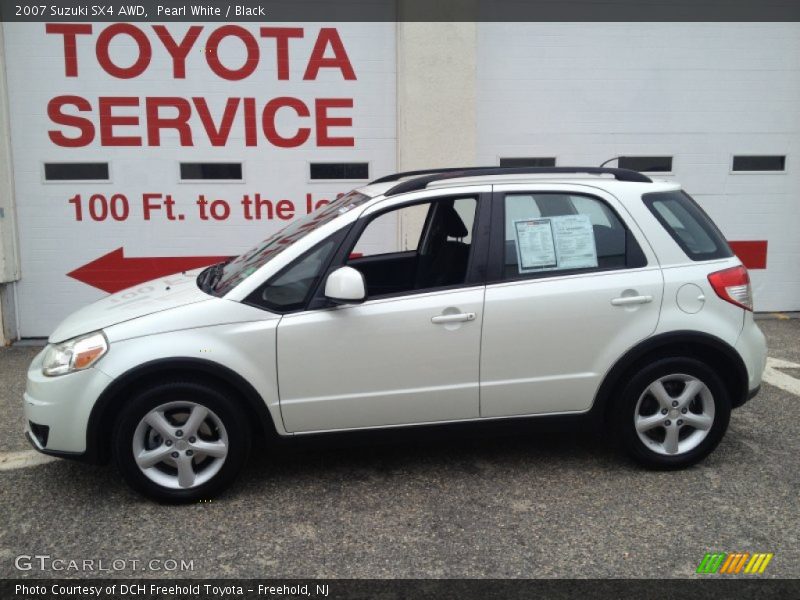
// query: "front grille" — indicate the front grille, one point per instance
point(40, 432)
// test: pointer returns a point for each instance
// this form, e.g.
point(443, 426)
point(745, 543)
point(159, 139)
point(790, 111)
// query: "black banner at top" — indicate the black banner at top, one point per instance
point(398, 10)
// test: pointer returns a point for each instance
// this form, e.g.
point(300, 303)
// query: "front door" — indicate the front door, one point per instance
point(410, 353)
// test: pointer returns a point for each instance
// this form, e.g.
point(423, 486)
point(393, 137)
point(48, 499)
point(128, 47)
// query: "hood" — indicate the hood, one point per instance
point(144, 299)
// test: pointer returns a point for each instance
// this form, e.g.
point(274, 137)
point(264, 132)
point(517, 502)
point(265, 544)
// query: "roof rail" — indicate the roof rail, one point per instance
point(420, 183)
point(402, 174)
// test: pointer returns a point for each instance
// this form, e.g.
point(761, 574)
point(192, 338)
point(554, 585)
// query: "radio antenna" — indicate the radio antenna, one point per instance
point(611, 160)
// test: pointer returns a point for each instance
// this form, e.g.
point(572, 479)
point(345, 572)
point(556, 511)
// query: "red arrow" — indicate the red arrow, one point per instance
point(113, 272)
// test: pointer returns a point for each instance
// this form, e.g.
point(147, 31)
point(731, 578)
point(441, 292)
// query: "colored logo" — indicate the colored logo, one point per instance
point(735, 562)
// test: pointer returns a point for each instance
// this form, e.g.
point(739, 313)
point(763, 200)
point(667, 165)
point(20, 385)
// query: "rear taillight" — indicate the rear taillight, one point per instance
point(733, 285)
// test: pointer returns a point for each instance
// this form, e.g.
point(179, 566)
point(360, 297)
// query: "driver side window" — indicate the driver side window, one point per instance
point(381, 235)
point(433, 250)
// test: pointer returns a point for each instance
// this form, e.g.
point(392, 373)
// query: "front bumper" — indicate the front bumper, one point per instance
point(61, 404)
point(34, 441)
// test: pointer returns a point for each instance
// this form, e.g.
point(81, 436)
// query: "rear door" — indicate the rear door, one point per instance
point(572, 285)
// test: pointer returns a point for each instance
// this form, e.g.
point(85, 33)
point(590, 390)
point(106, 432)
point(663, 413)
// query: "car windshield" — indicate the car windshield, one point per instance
point(221, 278)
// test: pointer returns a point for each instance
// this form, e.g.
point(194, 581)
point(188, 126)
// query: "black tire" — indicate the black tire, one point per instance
point(624, 410)
point(222, 407)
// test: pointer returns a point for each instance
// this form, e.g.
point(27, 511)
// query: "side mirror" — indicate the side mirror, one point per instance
point(345, 285)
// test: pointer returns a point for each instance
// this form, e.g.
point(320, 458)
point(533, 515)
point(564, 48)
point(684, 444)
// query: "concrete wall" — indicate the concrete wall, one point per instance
point(435, 94)
point(436, 90)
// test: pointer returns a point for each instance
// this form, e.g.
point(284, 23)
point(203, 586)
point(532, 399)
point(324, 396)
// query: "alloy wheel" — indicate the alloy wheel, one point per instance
point(674, 414)
point(180, 445)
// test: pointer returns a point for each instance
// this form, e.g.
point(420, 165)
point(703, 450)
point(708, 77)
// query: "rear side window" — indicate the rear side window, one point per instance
point(551, 233)
point(688, 225)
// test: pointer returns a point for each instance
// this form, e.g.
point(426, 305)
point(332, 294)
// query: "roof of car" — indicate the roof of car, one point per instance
point(409, 181)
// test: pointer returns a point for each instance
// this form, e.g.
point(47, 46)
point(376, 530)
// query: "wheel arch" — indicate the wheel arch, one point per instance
point(717, 353)
point(98, 438)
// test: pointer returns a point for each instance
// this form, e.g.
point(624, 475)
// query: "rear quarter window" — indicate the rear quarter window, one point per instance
point(687, 223)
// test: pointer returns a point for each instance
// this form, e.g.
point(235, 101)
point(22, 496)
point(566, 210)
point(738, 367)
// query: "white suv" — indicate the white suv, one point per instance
point(590, 295)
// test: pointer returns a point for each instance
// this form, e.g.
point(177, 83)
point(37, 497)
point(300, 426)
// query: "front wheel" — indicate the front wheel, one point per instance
point(672, 413)
point(180, 442)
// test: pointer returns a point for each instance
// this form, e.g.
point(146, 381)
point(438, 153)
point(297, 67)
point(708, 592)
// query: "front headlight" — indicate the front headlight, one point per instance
point(75, 354)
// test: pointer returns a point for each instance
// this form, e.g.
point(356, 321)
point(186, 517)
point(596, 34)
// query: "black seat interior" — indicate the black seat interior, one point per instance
point(445, 260)
point(442, 260)
point(610, 243)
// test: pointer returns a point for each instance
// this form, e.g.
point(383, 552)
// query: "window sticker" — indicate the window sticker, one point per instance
point(536, 248)
point(575, 247)
point(555, 243)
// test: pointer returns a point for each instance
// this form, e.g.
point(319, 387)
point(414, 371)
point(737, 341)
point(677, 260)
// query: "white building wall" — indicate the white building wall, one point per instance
point(9, 263)
point(428, 94)
point(700, 92)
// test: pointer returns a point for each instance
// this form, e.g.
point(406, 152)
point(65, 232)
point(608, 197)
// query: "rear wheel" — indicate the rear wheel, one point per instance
point(672, 413)
point(180, 442)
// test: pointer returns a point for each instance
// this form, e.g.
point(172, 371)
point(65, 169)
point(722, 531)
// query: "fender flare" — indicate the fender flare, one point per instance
point(97, 438)
point(679, 343)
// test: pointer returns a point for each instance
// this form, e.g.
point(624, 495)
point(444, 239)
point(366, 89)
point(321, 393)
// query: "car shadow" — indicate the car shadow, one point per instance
point(412, 453)
point(381, 458)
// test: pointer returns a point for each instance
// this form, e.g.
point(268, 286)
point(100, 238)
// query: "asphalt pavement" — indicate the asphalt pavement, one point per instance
point(534, 505)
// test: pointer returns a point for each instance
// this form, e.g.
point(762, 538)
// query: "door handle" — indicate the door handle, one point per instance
point(457, 318)
point(628, 300)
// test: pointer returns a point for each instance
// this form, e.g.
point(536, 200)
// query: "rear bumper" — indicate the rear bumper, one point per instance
point(752, 347)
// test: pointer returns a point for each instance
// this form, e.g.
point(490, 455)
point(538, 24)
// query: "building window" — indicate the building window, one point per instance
point(759, 163)
point(349, 170)
point(646, 164)
point(76, 171)
point(211, 170)
point(528, 162)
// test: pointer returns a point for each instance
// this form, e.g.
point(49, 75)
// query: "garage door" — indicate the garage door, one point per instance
point(140, 150)
point(711, 105)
